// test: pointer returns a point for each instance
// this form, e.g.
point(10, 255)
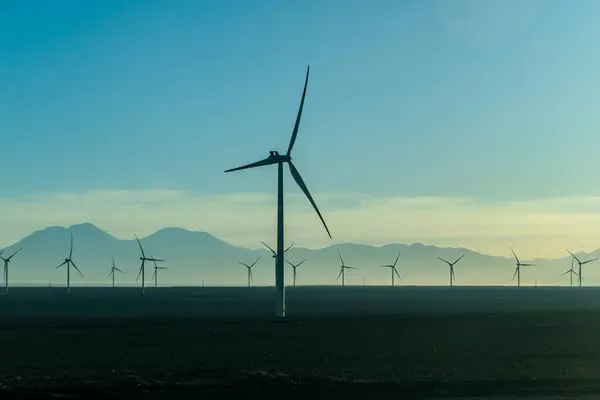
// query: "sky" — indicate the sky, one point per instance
point(447, 122)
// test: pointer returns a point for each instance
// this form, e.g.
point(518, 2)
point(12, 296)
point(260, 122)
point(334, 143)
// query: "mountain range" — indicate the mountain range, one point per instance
point(195, 257)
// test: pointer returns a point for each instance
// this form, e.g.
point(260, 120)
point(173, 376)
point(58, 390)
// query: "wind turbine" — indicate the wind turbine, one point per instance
point(580, 264)
point(143, 258)
point(571, 272)
point(113, 268)
point(6, 262)
point(294, 266)
point(451, 265)
point(68, 261)
point(518, 269)
point(393, 268)
point(276, 158)
point(155, 275)
point(249, 268)
point(343, 269)
point(275, 254)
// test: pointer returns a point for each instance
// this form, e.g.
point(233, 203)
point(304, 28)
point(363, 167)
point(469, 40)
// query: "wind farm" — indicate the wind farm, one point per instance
point(300, 200)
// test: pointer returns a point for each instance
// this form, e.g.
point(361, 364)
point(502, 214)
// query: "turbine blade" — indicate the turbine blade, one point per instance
point(254, 263)
point(261, 163)
point(589, 261)
point(140, 272)
point(71, 251)
point(290, 263)
point(299, 116)
point(447, 262)
point(117, 269)
point(269, 247)
point(245, 265)
point(155, 260)
point(458, 259)
point(300, 182)
point(13, 254)
point(154, 274)
point(340, 274)
point(515, 254)
point(574, 256)
point(350, 267)
point(395, 262)
point(140, 244)
point(61, 264)
point(397, 274)
point(515, 274)
point(527, 265)
point(110, 272)
point(341, 259)
point(301, 262)
point(75, 266)
point(566, 272)
point(290, 246)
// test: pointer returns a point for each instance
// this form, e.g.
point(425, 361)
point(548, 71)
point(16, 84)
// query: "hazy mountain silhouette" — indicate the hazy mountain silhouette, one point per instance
point(193, 256)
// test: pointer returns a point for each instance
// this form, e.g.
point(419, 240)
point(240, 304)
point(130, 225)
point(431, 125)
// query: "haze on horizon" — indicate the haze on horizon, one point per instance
point(452, 123)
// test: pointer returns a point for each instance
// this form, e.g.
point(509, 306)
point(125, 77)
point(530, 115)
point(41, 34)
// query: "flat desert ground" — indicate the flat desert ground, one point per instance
point(337, 342)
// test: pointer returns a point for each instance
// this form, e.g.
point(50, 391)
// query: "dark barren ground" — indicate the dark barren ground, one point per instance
point(402, 342)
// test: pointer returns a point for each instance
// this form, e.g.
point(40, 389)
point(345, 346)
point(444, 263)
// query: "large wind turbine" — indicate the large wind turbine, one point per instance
point(68, 261)
point(113, 268)
point(343, 269)
point(249, 268)
point(393, 268)
point(155, 275)
point(294, 266)
point(276, 158)
point(143, 258)
point(571, 271)
point(451, 265)
point(6, 262)
point(580, 264)
point(518, 269)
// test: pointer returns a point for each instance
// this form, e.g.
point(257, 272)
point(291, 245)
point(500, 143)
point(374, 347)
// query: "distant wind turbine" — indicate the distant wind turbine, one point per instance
point(451, 265)
point(155, 274)
point(249, 268)
point(571, 271)
point(113, 268)
point(6, 262)
point(294, 266)
point(68, 261)
point(393, 268)
point(580, 264)
point(343, 269)
point(276, 158)
point(275, 254)
point(518, 269)
point(143, 258)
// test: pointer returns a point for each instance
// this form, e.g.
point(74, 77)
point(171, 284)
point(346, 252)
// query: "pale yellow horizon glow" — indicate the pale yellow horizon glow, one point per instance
point(541, 228)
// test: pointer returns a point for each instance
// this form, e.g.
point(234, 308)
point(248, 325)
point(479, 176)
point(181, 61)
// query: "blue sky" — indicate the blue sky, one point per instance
point(495, 101)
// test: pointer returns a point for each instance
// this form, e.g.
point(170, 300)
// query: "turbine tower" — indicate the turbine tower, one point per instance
point(143, 258)
point(571, 271)
point(155, 274)
point(113, 268)
point(68, 261)
point(249, 268)
point(393, 268)
point(451, 265)
point(343, 269)
point(6, 262)
point(276, 158)
point(580, 264)
point(518, 269)
point(294, 266)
